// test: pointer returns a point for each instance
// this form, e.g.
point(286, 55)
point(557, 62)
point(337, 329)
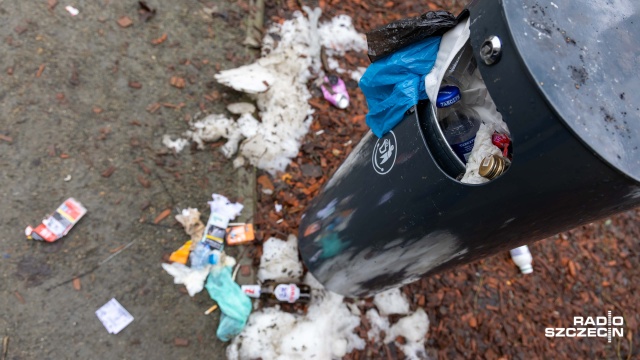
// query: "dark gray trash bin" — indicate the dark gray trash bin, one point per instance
point(565, 81)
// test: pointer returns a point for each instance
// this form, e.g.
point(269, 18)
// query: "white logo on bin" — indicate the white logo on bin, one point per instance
point(384, 153)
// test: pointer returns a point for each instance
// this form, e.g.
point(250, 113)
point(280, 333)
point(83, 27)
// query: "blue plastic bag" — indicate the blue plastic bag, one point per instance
point(395, 83)
point(234, 304)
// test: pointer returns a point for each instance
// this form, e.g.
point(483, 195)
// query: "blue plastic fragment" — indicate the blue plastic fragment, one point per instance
point(393, 84)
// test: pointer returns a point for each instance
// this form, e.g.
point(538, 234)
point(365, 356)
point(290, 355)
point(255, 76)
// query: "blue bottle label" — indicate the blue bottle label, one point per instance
point(463, 149)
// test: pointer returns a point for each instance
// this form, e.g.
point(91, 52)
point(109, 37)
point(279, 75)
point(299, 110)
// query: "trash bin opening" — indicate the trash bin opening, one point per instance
point(464, 131)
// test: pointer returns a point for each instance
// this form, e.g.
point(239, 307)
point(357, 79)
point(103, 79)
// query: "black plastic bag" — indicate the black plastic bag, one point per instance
point(398, 34)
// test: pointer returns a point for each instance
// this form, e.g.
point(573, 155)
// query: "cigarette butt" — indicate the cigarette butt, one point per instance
point(211, 309)
point(5, 347)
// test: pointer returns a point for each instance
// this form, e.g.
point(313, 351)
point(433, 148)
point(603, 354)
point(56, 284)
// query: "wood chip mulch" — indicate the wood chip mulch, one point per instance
point(486, 309)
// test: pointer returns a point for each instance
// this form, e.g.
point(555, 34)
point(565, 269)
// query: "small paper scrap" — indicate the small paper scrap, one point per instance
point(114, 316)
point(73, 11)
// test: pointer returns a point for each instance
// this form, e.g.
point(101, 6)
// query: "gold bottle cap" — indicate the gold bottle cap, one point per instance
point(491, 166)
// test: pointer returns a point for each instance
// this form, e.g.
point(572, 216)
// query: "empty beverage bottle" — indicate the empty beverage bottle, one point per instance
point(461, 70)
point(522, 257)
point(279, 292)
point(459, 123)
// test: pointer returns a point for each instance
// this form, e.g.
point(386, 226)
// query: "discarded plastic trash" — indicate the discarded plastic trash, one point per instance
point(58, 224)
point(182, 254)
point(240, 234)
point(271, 291)
point(222, 211)
point(503, 142)
point(114, 316)
point(398, 34)
point(459, 123)
point(203, 255)
point(193, 279)
point(522, 257)
point(335, 91)
point(234, 304)
point(395, 83)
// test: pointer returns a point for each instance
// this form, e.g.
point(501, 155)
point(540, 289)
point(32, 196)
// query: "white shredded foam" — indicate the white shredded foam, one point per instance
point(278, 83)
point(325, 332)
point(378, 324)
point(177, 144)
point(414, 329)
point(391, 302)
point(280, 260)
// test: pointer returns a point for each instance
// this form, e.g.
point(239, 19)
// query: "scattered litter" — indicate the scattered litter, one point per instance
point(241, 108)
point(114, 316)
point(325, 332)
point(177, 144)
point(5, 347)
point(319, 132)
point(238, 162)
point(391, 302)
point(234, 304)
point(73, 11)
point(182, 254)
point(59, 223)
point(67, 178)
point(279, 255)
point(222, 211)
point(273, 292)
point(278, 207)
point(192, 279)
point(240, 234)
point(190, 220)
point(413, 329)
point(211, 309)
point(278, 83)
point(378, 324)
point(521, 256)
point(335, 91)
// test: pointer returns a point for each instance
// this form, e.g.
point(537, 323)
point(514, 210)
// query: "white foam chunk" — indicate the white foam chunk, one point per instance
point(177, 144)
point(325, 332)
point(240, 108)
point(378, 324)
point(414, 329)
point(280, 261)
point(391, 302)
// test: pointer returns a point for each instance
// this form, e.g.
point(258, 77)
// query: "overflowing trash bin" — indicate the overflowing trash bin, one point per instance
point(561, 123)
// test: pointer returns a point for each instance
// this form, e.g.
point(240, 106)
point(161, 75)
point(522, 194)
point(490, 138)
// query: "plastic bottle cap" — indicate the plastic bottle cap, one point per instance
point(447, 96)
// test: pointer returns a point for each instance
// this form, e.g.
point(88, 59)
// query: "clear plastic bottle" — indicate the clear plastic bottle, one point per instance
point(202, 255)
point(459, 123)
point(522, 257)
point(461, 69)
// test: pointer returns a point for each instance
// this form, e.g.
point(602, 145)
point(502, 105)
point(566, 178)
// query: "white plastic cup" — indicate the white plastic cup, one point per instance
point(522, 257)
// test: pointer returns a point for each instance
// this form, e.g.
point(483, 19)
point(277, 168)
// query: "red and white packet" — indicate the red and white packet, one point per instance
point(58, 224)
